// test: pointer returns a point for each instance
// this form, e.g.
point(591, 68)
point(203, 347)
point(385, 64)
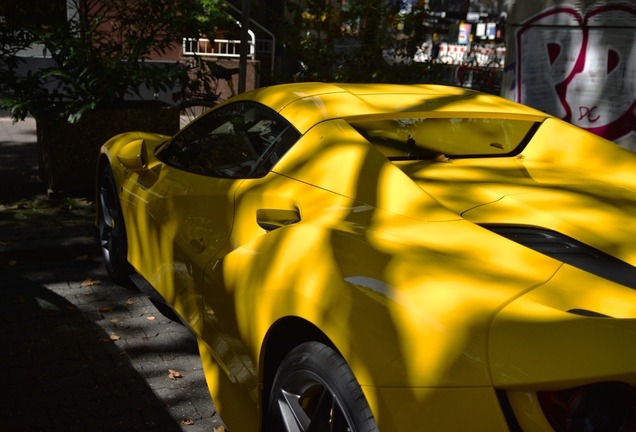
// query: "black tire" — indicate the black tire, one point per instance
point(315, 390)
point(191, 109)
point(112, 231)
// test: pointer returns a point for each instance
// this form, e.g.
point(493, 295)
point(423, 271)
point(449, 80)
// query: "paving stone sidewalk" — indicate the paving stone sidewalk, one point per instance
point(77, 351)
point(81, 353)
point(34, 228)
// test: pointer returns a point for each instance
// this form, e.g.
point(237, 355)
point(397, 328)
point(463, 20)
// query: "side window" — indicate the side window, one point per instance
point(231, 142)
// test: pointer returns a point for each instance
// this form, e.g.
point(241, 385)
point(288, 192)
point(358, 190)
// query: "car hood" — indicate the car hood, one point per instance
point(511, 191)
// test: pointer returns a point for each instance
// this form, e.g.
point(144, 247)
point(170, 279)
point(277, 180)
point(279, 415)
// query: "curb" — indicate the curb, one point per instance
point(48, 249)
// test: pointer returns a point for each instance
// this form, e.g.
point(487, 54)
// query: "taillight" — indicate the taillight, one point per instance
point(607, 406)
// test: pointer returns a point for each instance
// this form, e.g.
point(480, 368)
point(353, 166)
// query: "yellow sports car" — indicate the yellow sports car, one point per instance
point(384, 257)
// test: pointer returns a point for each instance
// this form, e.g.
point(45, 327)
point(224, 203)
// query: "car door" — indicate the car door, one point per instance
point(278, 220)
point(188, 211)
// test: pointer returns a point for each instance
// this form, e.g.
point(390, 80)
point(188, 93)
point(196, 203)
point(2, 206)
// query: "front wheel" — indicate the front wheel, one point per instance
point(315, 390)
point(112, 232)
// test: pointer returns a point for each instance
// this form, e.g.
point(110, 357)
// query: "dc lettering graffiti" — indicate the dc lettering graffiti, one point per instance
point(589, 113)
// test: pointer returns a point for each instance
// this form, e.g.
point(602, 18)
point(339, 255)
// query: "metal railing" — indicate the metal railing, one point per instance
point(264, 30)
point(227, 48)
point(222, 48)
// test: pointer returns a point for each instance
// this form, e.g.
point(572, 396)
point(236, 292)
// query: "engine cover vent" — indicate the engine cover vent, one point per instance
point(569, 251)
point(588, 313)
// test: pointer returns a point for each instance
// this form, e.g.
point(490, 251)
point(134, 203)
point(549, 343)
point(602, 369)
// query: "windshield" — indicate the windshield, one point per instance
point(428, 138)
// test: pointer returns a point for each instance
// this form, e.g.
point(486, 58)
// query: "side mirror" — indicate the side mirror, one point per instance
point(134, 156)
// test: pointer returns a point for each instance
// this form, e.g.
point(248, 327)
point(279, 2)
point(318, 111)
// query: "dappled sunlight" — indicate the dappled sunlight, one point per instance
point(229, 399)
point(347, 256)
point(499, 172)
point(385, 258)
point(546, 187)
point(438, 300)
point(536, 344)
point(307, 284)
point(151, 253)
point(574, 289)
point(605, 224)
point(180, 226)
point(558, 143)
point(92, 351)
point(396, 193)
point(430, 293)
point(310, 110)
point(359, 171)
point(296, 289)
point(465, 102)
point(330, 155)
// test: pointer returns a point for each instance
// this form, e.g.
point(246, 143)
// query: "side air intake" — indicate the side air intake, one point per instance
point(570, 251)
point(588, 313)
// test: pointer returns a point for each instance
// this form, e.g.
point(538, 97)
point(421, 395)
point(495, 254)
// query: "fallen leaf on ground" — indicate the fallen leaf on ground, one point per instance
point(105, 309)
point(81, 258)
point(174, 374)
point(220, 429)
point(115, 337)
point(122, 352)
point(151, 318)
point(90, 282)
point(71, 307)
point(114, 321)
point(129, 302)
point(105, 340)
point(6, 243)
point(87, 293)
point(187, 421)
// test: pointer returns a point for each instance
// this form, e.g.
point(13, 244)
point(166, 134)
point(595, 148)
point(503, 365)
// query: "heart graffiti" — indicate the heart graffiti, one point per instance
point(580, 67)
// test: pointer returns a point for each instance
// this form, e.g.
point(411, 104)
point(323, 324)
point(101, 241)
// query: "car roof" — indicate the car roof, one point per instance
point(306, 104)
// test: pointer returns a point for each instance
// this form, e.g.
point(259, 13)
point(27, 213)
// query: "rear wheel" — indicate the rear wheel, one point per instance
point(112, 232)
point(315, 390)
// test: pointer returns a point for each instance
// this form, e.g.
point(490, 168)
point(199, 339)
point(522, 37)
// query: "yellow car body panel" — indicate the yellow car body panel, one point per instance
point(307, 104)
point(387, 259)
point(546, 188)
point(335, 142)
point(536, 345)
point(406, 409)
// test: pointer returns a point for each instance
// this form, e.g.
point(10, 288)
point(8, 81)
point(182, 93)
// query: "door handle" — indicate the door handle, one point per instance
point(271, 219)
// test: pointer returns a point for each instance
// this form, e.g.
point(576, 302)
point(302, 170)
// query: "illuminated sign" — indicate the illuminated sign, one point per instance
point(464, 33)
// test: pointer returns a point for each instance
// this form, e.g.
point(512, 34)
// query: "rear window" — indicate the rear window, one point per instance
point(428, 138)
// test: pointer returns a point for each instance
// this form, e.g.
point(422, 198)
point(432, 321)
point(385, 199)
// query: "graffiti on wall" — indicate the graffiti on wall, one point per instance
point(580, 67)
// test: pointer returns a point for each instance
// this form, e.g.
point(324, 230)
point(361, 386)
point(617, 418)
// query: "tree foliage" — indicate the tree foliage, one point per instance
point(350, 43)
point(99, 51)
